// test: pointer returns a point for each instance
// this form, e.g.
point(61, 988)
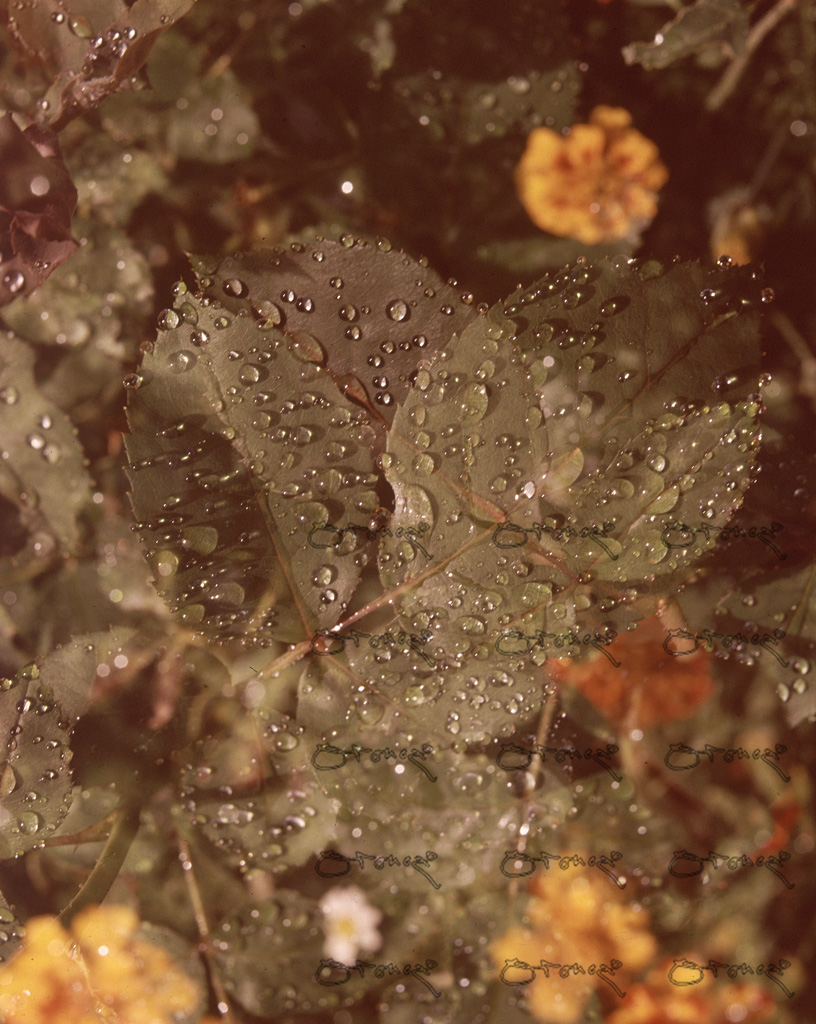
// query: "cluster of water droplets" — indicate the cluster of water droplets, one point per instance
point(35, 784)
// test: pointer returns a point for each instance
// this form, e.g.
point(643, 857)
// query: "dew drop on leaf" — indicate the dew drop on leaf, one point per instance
point(397, 310)
point(168, 320)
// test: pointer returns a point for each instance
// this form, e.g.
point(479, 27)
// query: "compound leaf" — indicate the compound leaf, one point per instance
point(542, 453)
point(241, 444)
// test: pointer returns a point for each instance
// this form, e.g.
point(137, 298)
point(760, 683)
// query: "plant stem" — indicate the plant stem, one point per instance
point(100, 880)
point(720, 93)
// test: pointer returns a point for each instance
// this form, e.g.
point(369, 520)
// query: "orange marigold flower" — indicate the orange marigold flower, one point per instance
point(596, 184)
point(99, 972)
point(579, 919)
point(658, 1001)
point(650, 686)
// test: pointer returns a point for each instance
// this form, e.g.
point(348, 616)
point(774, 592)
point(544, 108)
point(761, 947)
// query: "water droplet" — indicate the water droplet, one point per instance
point(766, 295)
point(235, 287)
point(181, 361)
point(200, 338)
point(709, 295)
point(349, 313)
point(397, 310)
point(474, 402)
point(9, 395)
point(656, 462)
point(614, 305)
point(168, 320)
point(249, 375)
point(14, 281)
point(133, 381)
point(307, 348)
point(324, 575)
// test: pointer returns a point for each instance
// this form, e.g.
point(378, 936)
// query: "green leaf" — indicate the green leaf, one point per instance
point(43, 469)
point(710, 29)
point(551, 415)
point(111, 184)
point(373, 310)
point(776, 619)
point(471, 113)
point(189, 115)
point(241, 444)
point(90, 49)
point(95, 298)
point(35, 779)
point(248, 791)
point(11, 931)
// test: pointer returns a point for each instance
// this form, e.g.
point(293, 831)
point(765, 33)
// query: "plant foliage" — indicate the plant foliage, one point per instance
point(407, 591)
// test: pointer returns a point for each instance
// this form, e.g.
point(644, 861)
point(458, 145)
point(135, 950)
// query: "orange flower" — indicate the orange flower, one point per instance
point(99, 972)
point(658, 1001)
point(577, 919)
point(650, 686)
point(596, 184)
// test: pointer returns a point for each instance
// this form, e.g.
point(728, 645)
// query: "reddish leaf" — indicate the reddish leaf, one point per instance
point(37, 198)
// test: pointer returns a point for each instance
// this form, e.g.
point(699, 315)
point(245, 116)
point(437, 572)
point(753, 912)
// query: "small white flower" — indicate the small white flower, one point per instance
point(351, 924)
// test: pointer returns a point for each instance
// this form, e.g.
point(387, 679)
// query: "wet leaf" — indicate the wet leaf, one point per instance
point(37, 198)
point(711, 29)
point(766, 627)
point(473, 112)
point(373, 311)
point(249, 791)
point(11, 931)
point(43, 474)
point(240, 449)
point(95, 298)
point(542, 452)
point(35, 778)
point(90, 50)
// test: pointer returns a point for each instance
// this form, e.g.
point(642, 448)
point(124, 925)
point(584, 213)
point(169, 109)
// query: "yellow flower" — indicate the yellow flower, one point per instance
point(597, 184)
point(98, 972)
point(579, 919)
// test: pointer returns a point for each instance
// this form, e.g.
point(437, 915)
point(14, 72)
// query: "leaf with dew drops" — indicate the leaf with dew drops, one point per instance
point(547, 447)
point(246, 464)
point(35, 777)
point(42, 472)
